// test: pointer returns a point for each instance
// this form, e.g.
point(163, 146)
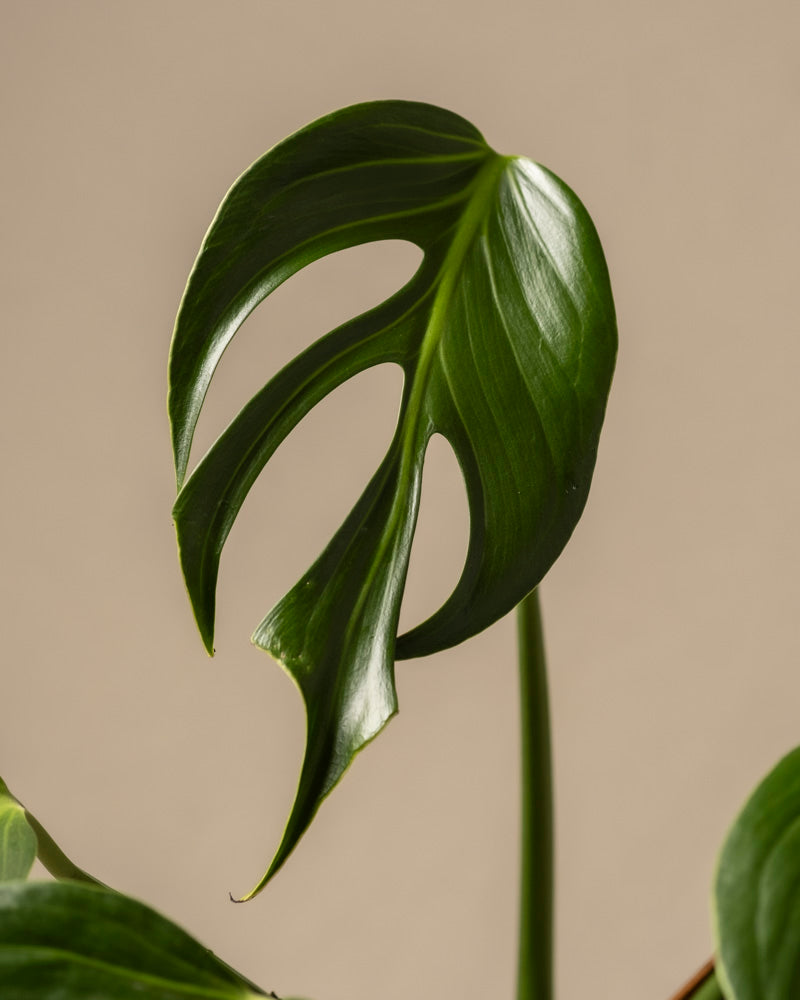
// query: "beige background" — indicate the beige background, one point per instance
point(671, 619)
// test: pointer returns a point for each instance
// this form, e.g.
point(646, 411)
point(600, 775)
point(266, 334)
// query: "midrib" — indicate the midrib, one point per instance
point(484, 187)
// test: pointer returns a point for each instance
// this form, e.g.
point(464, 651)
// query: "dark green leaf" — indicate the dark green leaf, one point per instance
point(17, 839)
point(76, 942)
point(507, 338)
point(757, 892)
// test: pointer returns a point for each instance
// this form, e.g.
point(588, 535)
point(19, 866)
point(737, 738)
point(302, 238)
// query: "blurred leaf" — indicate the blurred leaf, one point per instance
point(17, 839)
point(76, 942)
point(507, 338)
point(757, 892)
point(31, 835)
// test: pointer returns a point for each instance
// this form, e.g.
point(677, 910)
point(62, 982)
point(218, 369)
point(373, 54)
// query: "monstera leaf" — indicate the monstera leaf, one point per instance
point(757, 892)
point(506, 335)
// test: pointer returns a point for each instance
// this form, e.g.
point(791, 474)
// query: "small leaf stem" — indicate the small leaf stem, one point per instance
point(535, 965)
point(702, 986)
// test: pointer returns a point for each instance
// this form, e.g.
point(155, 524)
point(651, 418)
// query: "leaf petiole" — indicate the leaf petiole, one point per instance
point(535, 960)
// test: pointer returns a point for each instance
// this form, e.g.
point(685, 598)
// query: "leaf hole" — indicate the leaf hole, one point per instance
point(440, 541)
point(303, 495)
point(316, 300)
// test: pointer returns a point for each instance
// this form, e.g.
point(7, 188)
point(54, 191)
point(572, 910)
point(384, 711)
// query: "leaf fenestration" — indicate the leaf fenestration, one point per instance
point(507, 338)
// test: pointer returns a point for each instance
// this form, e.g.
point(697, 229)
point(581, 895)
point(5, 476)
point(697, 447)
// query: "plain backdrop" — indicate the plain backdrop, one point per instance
point(671, 618)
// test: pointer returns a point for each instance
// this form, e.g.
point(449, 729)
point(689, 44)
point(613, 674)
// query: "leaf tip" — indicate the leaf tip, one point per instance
point(206, 629)
point(205, 624)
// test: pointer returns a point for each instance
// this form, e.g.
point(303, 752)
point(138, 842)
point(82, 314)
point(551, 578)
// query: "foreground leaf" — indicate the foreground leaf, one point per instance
point(507, 338)
point(78, 942)
point(757, 892)
point(17, 839)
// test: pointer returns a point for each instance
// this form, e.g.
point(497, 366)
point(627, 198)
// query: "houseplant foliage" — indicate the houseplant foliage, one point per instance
point(756, 896)
point(506, 337)
point(507, 340)
point(72, 941)
point(76, 939)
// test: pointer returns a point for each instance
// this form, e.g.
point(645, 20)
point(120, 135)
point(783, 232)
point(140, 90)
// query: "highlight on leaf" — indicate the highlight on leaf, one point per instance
point(507, 338)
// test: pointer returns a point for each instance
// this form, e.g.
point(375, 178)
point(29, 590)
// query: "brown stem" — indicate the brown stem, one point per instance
point(687, 991)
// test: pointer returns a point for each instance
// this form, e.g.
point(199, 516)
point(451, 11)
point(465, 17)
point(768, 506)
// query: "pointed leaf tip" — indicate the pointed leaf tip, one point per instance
point(23, 839)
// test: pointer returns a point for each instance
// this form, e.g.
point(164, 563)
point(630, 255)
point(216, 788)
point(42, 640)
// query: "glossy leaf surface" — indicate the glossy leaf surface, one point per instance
point(17, 839)
point(78, 942)
point(757, 892)
point(506, 335)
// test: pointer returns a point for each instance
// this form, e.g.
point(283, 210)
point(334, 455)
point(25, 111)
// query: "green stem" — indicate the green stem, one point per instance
point(535, 969)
